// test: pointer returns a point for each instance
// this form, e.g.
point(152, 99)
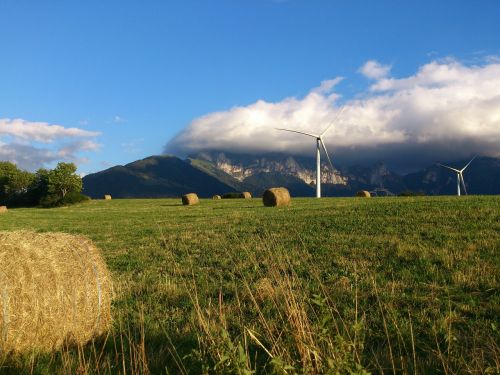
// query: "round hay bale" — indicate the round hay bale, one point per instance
point(190, 199)
point(363, 193)
point(107, 197)
point(54, 289)
point(3, 209)
point(246, 195)
point(276, 197)
point(216, 197)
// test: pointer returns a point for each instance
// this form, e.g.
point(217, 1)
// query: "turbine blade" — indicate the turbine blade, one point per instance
point(453, 169)
point(326, 153)
point(463, 169)
point(463, 183)
point(333, 121)
point(296, 131)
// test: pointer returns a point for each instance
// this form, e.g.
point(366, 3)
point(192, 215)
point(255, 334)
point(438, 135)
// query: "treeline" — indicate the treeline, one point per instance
point(45, 187)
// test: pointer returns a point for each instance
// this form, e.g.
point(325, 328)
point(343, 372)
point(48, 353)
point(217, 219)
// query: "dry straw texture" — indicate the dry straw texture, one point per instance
point(276, 197)
point(216, 197)
point(363, 193)
point(246, 195)
point(107, 197)
point(3, 209)
point(54, 289)
point(190, 199)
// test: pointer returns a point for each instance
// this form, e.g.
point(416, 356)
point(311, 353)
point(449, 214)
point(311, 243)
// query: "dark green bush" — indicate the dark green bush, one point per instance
point(409, 193)
point(232, 195)
point(53, 200)
point(75, 197)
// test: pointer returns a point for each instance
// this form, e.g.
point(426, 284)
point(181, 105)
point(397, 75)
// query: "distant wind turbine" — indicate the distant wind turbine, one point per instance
point(460, 177)
point(319, 144)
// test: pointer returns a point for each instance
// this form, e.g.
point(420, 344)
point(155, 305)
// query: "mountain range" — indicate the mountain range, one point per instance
point(216, 172)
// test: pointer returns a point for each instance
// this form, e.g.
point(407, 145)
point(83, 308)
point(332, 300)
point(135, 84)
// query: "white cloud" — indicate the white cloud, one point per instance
point(374, 70)
point(327, 86)
point(32, 145)
point(118, 119)
point(445, 110)
point(69, 150)
point(492, 59)
point(26, 156)
point(39, 131)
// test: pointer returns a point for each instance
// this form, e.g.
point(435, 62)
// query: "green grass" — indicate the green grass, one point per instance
point(337, 285)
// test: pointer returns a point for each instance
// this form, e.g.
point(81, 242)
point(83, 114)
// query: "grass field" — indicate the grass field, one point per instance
point(337, 285)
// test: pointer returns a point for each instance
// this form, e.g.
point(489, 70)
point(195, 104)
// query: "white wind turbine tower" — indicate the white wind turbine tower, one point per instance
point(319, 143)
point(460, 177)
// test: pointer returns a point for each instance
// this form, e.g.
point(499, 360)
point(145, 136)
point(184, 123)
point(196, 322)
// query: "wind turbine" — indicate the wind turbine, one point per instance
point(460, 177)
point(319, 144)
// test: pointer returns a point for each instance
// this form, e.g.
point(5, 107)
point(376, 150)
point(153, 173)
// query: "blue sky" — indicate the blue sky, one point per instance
point(131, 75)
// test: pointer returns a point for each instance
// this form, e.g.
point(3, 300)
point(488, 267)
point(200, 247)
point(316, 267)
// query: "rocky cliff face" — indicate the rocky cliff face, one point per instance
point(244, 166)
point(212, 173)
point(376, 176)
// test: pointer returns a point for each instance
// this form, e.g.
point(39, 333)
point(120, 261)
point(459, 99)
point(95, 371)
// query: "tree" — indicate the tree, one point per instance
point(63, 180)
point(7, 169)
point(46, 187)
point(19, 183)
point(14, 184)
point(39, 187)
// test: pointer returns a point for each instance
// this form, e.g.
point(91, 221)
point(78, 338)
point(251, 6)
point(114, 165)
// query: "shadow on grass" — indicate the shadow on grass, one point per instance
point(131, 351)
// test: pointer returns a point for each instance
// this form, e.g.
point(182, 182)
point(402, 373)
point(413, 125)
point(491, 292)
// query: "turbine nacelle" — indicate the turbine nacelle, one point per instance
point(319, 139)
point(320, 144)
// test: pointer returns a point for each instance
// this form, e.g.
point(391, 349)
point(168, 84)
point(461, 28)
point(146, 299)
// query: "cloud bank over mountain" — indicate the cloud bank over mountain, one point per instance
point(446, 110)
point(32, 145)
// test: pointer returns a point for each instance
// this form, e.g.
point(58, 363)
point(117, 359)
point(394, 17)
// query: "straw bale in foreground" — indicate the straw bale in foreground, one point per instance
point(54, 289)
point(107, 197)
point(190, 199)
point(276, 197)
point(3, 209)
point(363, 193)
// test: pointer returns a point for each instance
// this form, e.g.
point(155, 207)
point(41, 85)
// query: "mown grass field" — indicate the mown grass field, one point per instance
point(337, 285)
